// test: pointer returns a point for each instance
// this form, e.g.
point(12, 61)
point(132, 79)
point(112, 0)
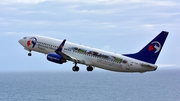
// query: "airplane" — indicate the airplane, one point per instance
point(61, 51)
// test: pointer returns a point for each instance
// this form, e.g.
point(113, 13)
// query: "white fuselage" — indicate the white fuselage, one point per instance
point(89, 56)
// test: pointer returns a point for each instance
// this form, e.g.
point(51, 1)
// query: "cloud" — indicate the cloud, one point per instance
point(5, 2)
point(107, 47)
point(95, 2)
point(168, 66)
point(163, 3)
point(84, 15)
point(148, 26)
point(97, 23)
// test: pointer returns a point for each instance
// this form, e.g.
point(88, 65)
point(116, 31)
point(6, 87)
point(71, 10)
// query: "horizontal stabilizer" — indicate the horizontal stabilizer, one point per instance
point(149, 65)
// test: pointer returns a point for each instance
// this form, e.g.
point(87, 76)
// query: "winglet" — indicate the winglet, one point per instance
point(60, 47)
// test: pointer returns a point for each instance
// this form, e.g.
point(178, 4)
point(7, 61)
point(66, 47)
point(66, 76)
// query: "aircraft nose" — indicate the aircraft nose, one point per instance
point(20, 41)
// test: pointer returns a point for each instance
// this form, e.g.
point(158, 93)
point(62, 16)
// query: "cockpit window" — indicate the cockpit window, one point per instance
point(25, 38)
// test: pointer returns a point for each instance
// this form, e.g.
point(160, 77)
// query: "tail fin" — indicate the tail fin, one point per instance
point(151, 51)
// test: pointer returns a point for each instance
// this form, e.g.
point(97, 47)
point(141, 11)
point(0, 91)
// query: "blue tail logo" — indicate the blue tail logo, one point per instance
point(151, 51)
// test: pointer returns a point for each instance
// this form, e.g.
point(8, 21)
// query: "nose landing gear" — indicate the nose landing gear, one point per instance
point(30, 54)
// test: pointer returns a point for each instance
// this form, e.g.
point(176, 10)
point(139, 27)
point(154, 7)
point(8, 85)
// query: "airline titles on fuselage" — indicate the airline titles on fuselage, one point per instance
point(44, 46)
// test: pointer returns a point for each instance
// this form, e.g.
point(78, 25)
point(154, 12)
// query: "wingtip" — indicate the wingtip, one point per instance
point(60, 46)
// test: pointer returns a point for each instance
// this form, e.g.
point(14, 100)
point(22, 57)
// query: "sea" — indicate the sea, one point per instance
point(90, 86)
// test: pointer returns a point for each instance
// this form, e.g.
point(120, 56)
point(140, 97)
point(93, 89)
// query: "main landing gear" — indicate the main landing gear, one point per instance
point(89, 68)
point(76, 68)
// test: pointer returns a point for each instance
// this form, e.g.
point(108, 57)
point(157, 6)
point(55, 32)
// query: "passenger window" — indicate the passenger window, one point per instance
point(124, 61)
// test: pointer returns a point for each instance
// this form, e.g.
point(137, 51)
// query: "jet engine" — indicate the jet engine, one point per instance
point(53, 57)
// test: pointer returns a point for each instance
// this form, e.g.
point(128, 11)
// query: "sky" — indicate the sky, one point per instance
point(120, 26)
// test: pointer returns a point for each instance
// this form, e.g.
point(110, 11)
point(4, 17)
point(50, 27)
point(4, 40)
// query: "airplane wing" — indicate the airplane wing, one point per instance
point(65, 56)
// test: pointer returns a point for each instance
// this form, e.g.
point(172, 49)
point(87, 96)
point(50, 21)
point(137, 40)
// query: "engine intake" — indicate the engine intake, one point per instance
point(53, 57)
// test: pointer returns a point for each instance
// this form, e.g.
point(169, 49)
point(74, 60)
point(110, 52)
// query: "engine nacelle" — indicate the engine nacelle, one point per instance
point(53, 57)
